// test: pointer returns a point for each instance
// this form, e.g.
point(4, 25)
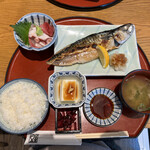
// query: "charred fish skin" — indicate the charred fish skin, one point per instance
point(84, 50)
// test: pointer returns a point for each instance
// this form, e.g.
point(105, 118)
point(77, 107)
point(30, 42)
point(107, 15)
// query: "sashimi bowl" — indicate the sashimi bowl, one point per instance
point(35, 31)
point(23, 106)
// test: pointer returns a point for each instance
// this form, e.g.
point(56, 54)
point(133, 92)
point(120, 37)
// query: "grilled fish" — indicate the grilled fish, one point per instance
point(84, 50)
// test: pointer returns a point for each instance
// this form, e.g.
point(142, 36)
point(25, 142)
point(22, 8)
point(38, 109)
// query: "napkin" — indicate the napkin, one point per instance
point(50, 138)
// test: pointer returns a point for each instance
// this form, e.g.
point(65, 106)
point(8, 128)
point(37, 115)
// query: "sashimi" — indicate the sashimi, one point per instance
point(47, 29)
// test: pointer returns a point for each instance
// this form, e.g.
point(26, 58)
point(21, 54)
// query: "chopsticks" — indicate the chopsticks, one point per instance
point(102, 135)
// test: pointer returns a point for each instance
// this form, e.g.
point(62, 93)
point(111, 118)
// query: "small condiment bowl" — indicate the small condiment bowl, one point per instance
point(92, 113)
point(38, 19)
point(133, 74)
point(68, 120)
point(26, 101)
point(54, 89)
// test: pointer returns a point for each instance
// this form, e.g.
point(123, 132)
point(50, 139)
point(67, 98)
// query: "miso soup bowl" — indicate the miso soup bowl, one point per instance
point(138, 72)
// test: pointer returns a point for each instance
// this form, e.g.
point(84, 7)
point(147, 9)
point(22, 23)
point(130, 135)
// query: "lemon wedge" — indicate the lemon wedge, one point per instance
point(103, 56)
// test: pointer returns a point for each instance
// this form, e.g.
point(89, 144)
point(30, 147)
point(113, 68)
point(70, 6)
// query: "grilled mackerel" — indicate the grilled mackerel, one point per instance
point(84, 50)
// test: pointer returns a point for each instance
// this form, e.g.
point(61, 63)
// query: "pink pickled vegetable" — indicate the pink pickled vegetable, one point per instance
point(66, 119)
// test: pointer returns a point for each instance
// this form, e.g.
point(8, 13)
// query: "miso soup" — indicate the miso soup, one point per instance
point(136, 92)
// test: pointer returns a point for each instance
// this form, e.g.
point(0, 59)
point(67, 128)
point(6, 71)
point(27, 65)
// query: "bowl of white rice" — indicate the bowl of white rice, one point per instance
point(23, 106)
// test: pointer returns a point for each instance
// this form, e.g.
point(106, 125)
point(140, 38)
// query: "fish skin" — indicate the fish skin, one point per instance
point(84, 50)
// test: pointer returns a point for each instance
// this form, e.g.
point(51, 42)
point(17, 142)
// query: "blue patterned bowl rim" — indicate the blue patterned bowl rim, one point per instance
point(51, 82)
point(32, 48)
point(117, 111)
point(3, 127)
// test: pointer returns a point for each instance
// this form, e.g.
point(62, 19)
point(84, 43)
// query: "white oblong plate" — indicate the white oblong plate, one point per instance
point(117, 110)
point(70, 33)
point(51, 88)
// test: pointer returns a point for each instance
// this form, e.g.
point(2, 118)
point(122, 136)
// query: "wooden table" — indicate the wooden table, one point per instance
point(136, 12)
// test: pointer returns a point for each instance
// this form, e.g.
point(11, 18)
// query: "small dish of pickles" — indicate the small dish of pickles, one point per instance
point(67, 89)
point(68, 120)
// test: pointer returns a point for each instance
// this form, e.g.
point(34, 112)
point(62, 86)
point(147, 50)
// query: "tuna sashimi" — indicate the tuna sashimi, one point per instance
point(47, 29)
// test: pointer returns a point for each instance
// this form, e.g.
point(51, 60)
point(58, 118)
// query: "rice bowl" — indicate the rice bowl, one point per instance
point(23, 106)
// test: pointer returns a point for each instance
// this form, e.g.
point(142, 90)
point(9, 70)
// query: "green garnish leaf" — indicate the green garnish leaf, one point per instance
point(22, 30)
point(39, 31)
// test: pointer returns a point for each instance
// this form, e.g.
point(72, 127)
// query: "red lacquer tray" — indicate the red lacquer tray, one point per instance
point(32, 65)
point(85, 4)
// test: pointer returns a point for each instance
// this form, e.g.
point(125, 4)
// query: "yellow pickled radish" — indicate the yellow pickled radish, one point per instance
point(103, 56)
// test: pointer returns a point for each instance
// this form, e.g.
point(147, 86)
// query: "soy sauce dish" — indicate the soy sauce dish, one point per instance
point(135, 91)
point(23, 106)
point(102, 107)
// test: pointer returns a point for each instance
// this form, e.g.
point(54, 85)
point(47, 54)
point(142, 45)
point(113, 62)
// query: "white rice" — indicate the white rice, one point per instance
point(22, 105)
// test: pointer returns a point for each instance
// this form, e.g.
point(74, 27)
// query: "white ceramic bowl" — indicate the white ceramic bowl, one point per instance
point(3, 124)
point(37, 18)
point(52, 88)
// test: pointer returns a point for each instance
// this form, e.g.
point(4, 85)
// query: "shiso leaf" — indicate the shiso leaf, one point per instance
point(22, 30)
point(39, 31)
